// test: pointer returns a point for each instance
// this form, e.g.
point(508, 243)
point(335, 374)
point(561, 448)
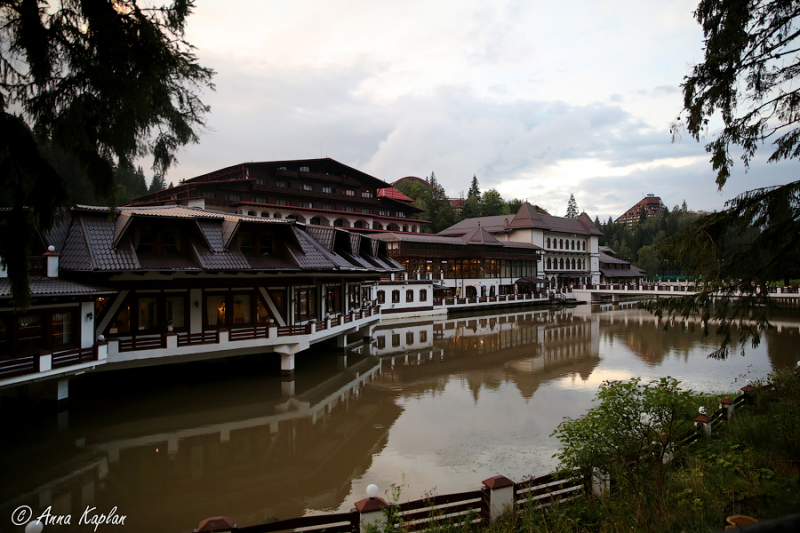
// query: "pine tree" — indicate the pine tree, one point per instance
point(474, 190)
point(572, 207)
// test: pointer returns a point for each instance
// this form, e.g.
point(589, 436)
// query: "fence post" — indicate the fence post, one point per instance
point(704, 421)
point(216, 524)
point(727, 404)
point(501, 495)
point(371, 509)
point(601, 483)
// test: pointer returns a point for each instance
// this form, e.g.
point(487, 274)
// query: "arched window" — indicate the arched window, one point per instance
point(573, 245)
point(316, 221)
point(276, 215)
point(549, 264)
point(561, 244)
point(584, 246)
point(377, 225)
point(562, 263)
point(251, 213)
point(358, 224)
point(573, 264)
point(548, 242)
point(405, 227)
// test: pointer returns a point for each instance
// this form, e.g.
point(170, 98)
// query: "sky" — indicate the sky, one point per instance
point(538, 99)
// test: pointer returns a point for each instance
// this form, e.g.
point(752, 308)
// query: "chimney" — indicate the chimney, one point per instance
point(505, 223)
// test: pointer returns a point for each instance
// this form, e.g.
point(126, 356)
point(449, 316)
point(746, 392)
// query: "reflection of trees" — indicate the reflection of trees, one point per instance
point(648, 340)
point(782, 347)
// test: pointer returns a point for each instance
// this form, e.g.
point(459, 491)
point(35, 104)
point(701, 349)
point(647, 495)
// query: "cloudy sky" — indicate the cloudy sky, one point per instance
point(539, 99)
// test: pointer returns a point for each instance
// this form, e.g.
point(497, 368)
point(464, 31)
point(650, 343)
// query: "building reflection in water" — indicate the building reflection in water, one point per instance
point(170, 446)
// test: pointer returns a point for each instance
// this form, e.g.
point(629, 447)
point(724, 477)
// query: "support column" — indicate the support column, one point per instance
point(287, 364)
point(341, 340)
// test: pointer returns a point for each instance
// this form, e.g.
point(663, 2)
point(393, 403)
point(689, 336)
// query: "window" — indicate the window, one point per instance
point(409, 337)
point(327, 189)
point(36, 331)
point(308, 187)
point(282, 183)
point(30, 336)
point(255, 244)
point(409, 295)
point(384, 212)
point(305, 169)
point(305, 204)
point(349, 192)
point(423, 336)
point(562, 263)
point(261, 180)
point(549, 264)
point(262, 315)
point(305, 303)
point(584, 246)
point(281, 168)
point(548, 242)
point(381, 297)
point(423, 295)
point(349, 208)
point(366, 210)
point(395, 340)
point(241, 313)
point(215, 310)
point(329, 207)
point(334, 299)
point(400, 214)
point(281, 201)
point(366, 194)
point(395, 297)
point(176, 311)
point(259, 200)
point(233, 196)
point(148, 313)
point(573, 264)
point(381, 342)
point(561, 244)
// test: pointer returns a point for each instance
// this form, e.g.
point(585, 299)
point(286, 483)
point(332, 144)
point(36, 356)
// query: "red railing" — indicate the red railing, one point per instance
point(335, 321)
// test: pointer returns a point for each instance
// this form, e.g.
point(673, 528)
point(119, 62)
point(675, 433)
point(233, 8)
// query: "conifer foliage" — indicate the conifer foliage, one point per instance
point(103, 81)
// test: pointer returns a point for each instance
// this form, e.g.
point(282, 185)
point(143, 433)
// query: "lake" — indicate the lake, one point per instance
point(429, 406)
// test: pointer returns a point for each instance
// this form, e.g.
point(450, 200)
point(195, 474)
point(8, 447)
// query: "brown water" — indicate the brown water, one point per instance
point(431, 406)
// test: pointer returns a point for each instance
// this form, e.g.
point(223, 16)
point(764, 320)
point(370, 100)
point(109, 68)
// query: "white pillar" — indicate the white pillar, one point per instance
point(501, 495)
point(287, 364)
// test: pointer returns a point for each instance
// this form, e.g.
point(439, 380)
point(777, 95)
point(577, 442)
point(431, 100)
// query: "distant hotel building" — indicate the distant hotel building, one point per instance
point(321, 192)
point(649, 206)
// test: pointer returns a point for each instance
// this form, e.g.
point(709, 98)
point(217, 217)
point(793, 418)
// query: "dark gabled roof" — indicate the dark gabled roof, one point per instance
point(526, 218)
point(610, 259)
point(56, 287)
point(480, 236)
point(621, 273)
point(606, 250)
point(529, 217)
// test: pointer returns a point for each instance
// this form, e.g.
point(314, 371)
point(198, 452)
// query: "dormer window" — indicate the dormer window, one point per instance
point(148, 240)
point(255, 243)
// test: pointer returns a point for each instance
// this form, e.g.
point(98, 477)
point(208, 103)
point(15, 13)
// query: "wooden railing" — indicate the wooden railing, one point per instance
point(142, 343)
point(296, 329)
point(19, 366)
point(549, 489)
point(75, 356)
point(206, 337)
point(451, 509)
point(329, 523)
point(252, 332)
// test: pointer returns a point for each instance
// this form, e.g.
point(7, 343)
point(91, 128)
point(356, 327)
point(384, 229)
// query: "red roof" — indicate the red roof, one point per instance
point(394, 194)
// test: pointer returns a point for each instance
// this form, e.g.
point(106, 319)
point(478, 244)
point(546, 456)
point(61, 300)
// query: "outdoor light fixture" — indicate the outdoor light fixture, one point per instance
point(372, 491)
point(34, 526)
point(89, 315)
point(196, 304)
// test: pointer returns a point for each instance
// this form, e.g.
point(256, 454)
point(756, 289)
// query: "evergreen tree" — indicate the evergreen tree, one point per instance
point(572, 207)
point(474, 190)
point(492, 203)
point(158, 183)
point(514, 205)
point(102, 81)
